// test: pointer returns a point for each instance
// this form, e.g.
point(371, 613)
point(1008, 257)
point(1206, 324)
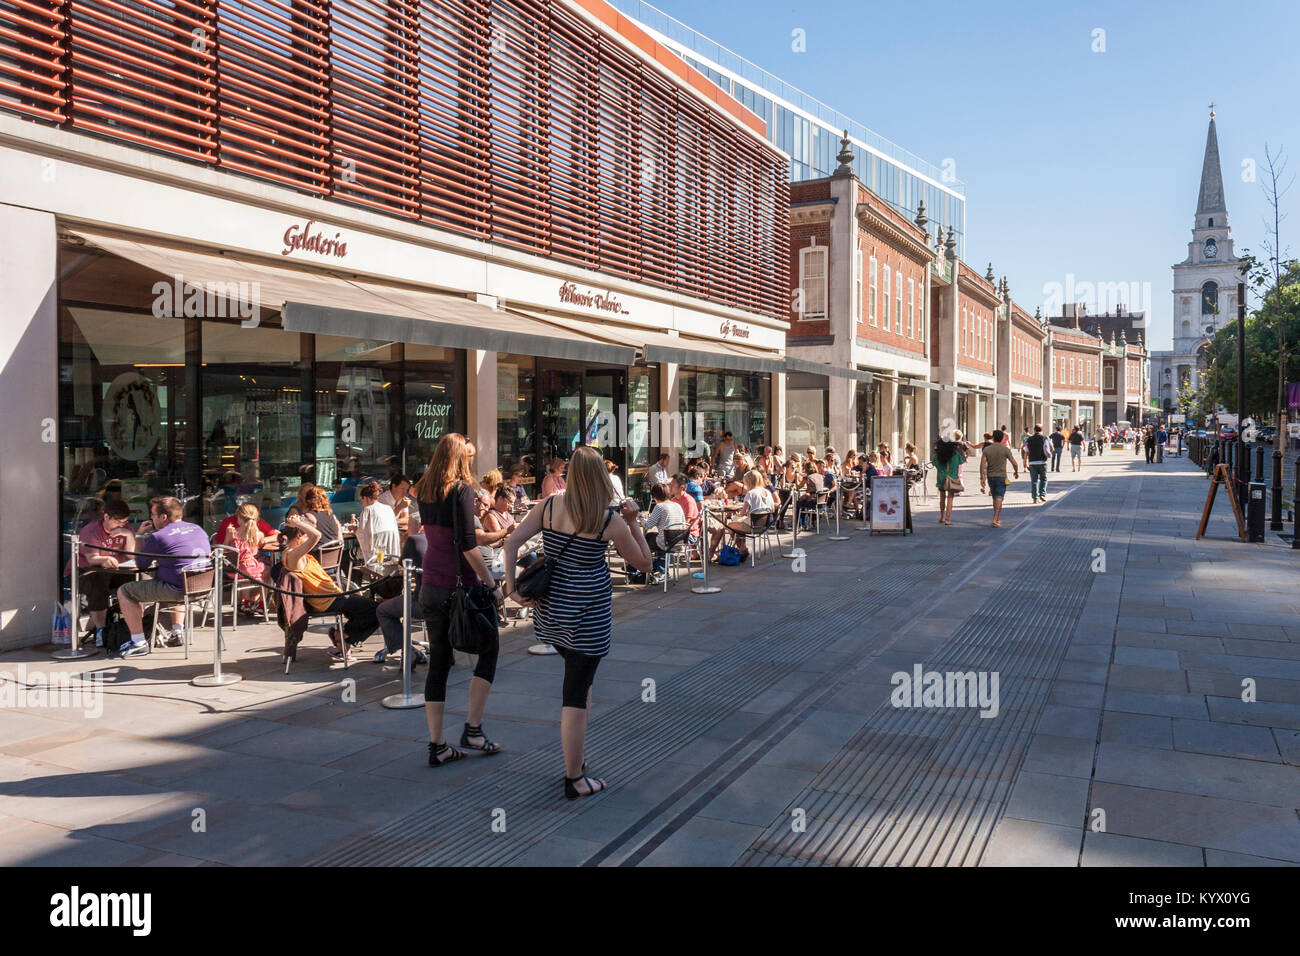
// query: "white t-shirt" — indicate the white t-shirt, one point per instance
point(377, 531)
point(666, 516)
point(759, 500)
point(617, 482)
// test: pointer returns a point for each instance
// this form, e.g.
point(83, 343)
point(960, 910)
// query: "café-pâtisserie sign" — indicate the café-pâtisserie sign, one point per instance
point(603, 301)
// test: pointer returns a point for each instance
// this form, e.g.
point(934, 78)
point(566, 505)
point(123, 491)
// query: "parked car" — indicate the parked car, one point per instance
point(1267, 433)
point(1228, 432)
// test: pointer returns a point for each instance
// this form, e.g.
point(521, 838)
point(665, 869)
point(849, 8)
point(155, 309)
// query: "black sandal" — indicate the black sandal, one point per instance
point(488, 746)
point(573, 793)
point(437, 750)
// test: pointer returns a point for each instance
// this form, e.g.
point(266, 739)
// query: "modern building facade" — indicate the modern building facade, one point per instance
point(809, 132)
point(1205, 285)
point(246, 244)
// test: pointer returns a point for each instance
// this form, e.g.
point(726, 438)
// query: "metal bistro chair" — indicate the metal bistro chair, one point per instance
point(757, 535)
point(198, 587)
point(331, 559)
point(677, 555)
point(773, 529)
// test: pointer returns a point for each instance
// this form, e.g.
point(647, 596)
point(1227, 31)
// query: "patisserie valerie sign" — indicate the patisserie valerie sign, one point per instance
point(603, 301)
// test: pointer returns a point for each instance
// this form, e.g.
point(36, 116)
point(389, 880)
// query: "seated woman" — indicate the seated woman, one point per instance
point(910, 459)
point(498, 517)
point(247, 539)
point(99, 570)
point(491, 481)
point(318, 506)
point(758, 501)
point(666, 516)
point(322, 595)
point(617, 482)
point(377, 531)
point(554, 480)
point(515, 482)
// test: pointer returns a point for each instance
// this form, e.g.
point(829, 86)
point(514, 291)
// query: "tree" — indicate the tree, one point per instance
point(1277, 270)
point(1262, 372)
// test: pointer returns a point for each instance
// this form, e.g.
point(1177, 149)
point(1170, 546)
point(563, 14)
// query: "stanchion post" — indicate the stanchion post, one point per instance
point(839, 506)
point(705, 588)
point(794, 526)
point(404, 700)
point(1295, 509)
point(74, 651)
point(217, 678)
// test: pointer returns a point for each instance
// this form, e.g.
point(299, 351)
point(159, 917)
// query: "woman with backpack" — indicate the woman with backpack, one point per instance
point(575, 615)
point(446, 488)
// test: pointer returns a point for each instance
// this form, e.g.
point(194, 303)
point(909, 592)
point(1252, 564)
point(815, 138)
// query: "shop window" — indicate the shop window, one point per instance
point(812, 282)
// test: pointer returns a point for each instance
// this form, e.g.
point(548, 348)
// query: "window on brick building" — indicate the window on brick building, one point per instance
point(898, 302)
point(812, 282)
point(911, 307)
point(871, 295)
point(884, 314)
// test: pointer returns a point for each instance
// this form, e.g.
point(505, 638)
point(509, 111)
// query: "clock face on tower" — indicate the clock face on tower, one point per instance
point(1211, 249)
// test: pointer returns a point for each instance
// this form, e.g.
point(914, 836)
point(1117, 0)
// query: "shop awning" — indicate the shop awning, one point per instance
point(331, 303)
point(659, 346)
point(793, 364)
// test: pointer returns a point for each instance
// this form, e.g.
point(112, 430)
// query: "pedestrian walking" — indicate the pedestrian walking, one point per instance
point(1036, 455)
point(1149, 441)
point(1058, 442)
point(1076, 450)
point(947, 459)
point(445, 488)
point(576, 614)
point(993, 472)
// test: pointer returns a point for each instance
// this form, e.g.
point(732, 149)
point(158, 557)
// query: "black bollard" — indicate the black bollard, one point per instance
point(1259, 463)
point(1295, 509)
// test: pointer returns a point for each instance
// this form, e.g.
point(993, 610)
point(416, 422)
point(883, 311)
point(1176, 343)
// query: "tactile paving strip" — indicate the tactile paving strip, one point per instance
point(631, 740)
point(926, 786)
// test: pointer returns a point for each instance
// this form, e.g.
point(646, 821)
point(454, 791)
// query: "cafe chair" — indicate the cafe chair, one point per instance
point(677, 555)
point(294, 616)
point(199, 584)
point(773, 529)
point(757, 536)
point(331, 559)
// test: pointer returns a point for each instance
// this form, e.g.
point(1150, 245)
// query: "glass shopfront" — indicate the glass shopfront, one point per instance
point(736, 402)
point(807, 412)
point(219, 414)
point(867, 396)
point(906, 415)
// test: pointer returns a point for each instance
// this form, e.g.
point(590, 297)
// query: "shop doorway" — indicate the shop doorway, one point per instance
point(573, 403)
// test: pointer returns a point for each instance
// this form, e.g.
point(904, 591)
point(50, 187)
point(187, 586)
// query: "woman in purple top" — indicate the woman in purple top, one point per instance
point(447, 486)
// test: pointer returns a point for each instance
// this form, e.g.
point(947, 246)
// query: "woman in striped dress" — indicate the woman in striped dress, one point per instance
point(576, 616)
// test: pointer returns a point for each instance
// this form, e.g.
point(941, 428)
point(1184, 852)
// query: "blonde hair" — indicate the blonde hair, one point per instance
point(753, 478)
point(589, 490)
point(492, 481)
point(248, 516)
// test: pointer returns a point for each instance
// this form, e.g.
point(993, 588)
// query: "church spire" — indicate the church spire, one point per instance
point(1210, 201)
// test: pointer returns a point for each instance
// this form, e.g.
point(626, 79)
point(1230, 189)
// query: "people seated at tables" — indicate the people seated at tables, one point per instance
point(318, 506)
point(614, 480)
point(832, 459)
point(397, 497)
point(667, 515)
point(98, 570)
point(377, 531)
point(230, 521)
point(886, 464)
point(678, 491)
point(184, 546)
point(247, 539)
point(693, 486)
point(491, 481)
point(658, 473)
point(767, 463)
point(389, 611)
point(872, 468)
point(515, 482)
point(487, 541)
point(554, 480)
point(790, 473)
point(300, 507)
point(499, 517)
point(911, 459)
point(321, 593)
point(809, 486)
point(758, 501)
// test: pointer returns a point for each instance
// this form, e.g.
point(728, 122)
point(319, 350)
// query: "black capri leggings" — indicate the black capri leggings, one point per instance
point(433, 602)
point(579, 672)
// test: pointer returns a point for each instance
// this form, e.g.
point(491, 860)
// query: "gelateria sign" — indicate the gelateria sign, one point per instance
point(309, 236)
point(602, 301)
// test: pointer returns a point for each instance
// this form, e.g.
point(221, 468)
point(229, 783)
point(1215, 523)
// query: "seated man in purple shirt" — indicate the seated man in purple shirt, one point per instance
point(186, 546)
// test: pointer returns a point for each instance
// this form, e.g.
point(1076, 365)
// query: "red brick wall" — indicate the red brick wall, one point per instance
point(801, 236)
point(976, 334)
point(1063, 354)
point(910, 337)
point(1026, 357)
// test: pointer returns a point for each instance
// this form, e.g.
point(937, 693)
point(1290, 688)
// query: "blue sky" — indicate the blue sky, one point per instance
point(1075, 163)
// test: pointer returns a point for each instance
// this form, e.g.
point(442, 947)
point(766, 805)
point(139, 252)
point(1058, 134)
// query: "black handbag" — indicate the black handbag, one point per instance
point(533, 583)
point(471, 611)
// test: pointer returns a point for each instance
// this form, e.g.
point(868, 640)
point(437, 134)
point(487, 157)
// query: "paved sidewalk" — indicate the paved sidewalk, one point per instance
point(770, 737)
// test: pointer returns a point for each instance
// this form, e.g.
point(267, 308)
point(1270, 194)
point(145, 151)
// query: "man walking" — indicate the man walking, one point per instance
point(1149, 440)
point(1036, 454)
point(993, 472)
point(1058, 442)
point(1076, 450)
point(1162, 438)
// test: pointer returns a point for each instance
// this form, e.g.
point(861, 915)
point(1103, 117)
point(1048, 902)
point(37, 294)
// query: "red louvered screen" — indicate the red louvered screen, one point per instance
point(274, 103)
point(31, 58)
point(145, 71)
point(374, 92)
point(514, 121)
point(453, 110)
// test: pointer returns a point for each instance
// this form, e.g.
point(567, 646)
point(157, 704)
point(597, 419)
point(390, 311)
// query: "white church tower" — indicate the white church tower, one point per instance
point(1205, 284)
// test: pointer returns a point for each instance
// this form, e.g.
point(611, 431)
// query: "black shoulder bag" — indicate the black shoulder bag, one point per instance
point(533, 583)
point(471, 611)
